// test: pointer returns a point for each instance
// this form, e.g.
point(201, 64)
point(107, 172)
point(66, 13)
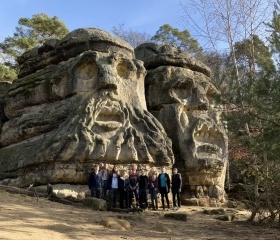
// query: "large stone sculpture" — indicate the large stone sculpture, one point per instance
point(179, 94)
point(78, 101)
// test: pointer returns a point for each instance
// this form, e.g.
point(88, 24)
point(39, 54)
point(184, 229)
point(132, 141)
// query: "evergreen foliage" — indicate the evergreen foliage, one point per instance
point(29, 33)
point(7, 73)
point(182, 39)
point(253, 116)
point(32, 32)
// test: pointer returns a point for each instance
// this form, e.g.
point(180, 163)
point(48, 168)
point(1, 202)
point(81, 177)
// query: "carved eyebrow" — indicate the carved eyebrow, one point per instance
point(183, 83)
point(128, 62)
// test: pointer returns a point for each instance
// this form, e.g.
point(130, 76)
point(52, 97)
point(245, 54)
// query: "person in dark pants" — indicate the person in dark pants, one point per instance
point(113, 186)
point(104, 172)
point(95, 182)
point(143, 185)
point(164, 187)
point(176, 188)
point(123, 189)
point(153, 190)
point(133, 187)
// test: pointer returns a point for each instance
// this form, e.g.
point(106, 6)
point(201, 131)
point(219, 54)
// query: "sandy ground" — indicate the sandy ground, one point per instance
point(23, 217)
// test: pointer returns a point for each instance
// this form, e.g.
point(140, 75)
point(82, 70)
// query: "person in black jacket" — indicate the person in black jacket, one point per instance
point(164, 187)
point(133, 187)
point(123, 189)
point(176, 188)
point(143, 185)
point(95, 182)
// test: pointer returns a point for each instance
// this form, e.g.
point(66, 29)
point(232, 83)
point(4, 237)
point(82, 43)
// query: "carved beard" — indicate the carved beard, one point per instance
point(210, 143)
point(103, 128)
point(206, 146)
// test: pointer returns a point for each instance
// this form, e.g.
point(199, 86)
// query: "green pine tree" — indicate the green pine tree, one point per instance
point(182, 39)
point(29, 33)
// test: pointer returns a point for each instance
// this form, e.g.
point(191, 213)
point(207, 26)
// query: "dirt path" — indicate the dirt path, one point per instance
point(22, 217)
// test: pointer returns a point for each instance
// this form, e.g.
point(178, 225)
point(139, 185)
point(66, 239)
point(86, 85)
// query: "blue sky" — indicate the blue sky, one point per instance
point(142, 15)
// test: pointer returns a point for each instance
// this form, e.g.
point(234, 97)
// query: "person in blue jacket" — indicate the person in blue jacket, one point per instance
point(164, 187)
point(95, 182)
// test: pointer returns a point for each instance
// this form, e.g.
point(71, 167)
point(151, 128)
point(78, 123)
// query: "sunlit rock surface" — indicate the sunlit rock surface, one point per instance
point(179, 94)
point(78, 101)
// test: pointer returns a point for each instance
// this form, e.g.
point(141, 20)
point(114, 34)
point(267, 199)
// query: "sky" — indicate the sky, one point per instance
point(141, 15)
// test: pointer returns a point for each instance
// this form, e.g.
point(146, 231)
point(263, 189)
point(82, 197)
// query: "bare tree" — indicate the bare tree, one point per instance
point(222, 23)
point(134, 38)
point(236, 26)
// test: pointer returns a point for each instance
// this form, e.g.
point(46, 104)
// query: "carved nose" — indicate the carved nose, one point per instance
point(107, 79)
point(200, 99)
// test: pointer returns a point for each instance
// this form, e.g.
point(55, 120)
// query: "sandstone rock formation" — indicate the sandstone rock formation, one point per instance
point(179, 94)
point(4, 87)
point(81, 100)
point(78, 101)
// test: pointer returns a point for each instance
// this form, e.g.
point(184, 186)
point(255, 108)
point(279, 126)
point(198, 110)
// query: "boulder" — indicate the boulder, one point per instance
point(179, 93)
point(214, 211)
point(177, 216)
point(190, 201)
point(95, 203)
point(73, 192)
point(161, 228)
point(231, 204)
point(117, 224)
point(227, 217)
point(78, 101)
point(4, 87)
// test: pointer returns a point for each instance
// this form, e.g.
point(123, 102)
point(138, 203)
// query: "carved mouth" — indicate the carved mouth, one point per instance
point(209, 142)
point(109, 118)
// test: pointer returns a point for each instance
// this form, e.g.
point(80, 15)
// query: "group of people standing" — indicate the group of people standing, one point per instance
point(131, 188)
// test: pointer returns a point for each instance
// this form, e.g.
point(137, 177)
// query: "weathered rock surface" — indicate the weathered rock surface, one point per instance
point(79, 101)
point(117, 224)
point(4, 87)
point(95, 203)
point(159, 227)
point(76, 42)
point(73, 192)
point(179, 94)
point(177, 216)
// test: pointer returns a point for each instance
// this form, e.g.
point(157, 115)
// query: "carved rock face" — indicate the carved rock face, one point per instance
point(88, 108)
point(180, 95)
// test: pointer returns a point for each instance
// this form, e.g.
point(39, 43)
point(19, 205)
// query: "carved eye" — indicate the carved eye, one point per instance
point(87, 71)
point(125, 68)
point(183, 88)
